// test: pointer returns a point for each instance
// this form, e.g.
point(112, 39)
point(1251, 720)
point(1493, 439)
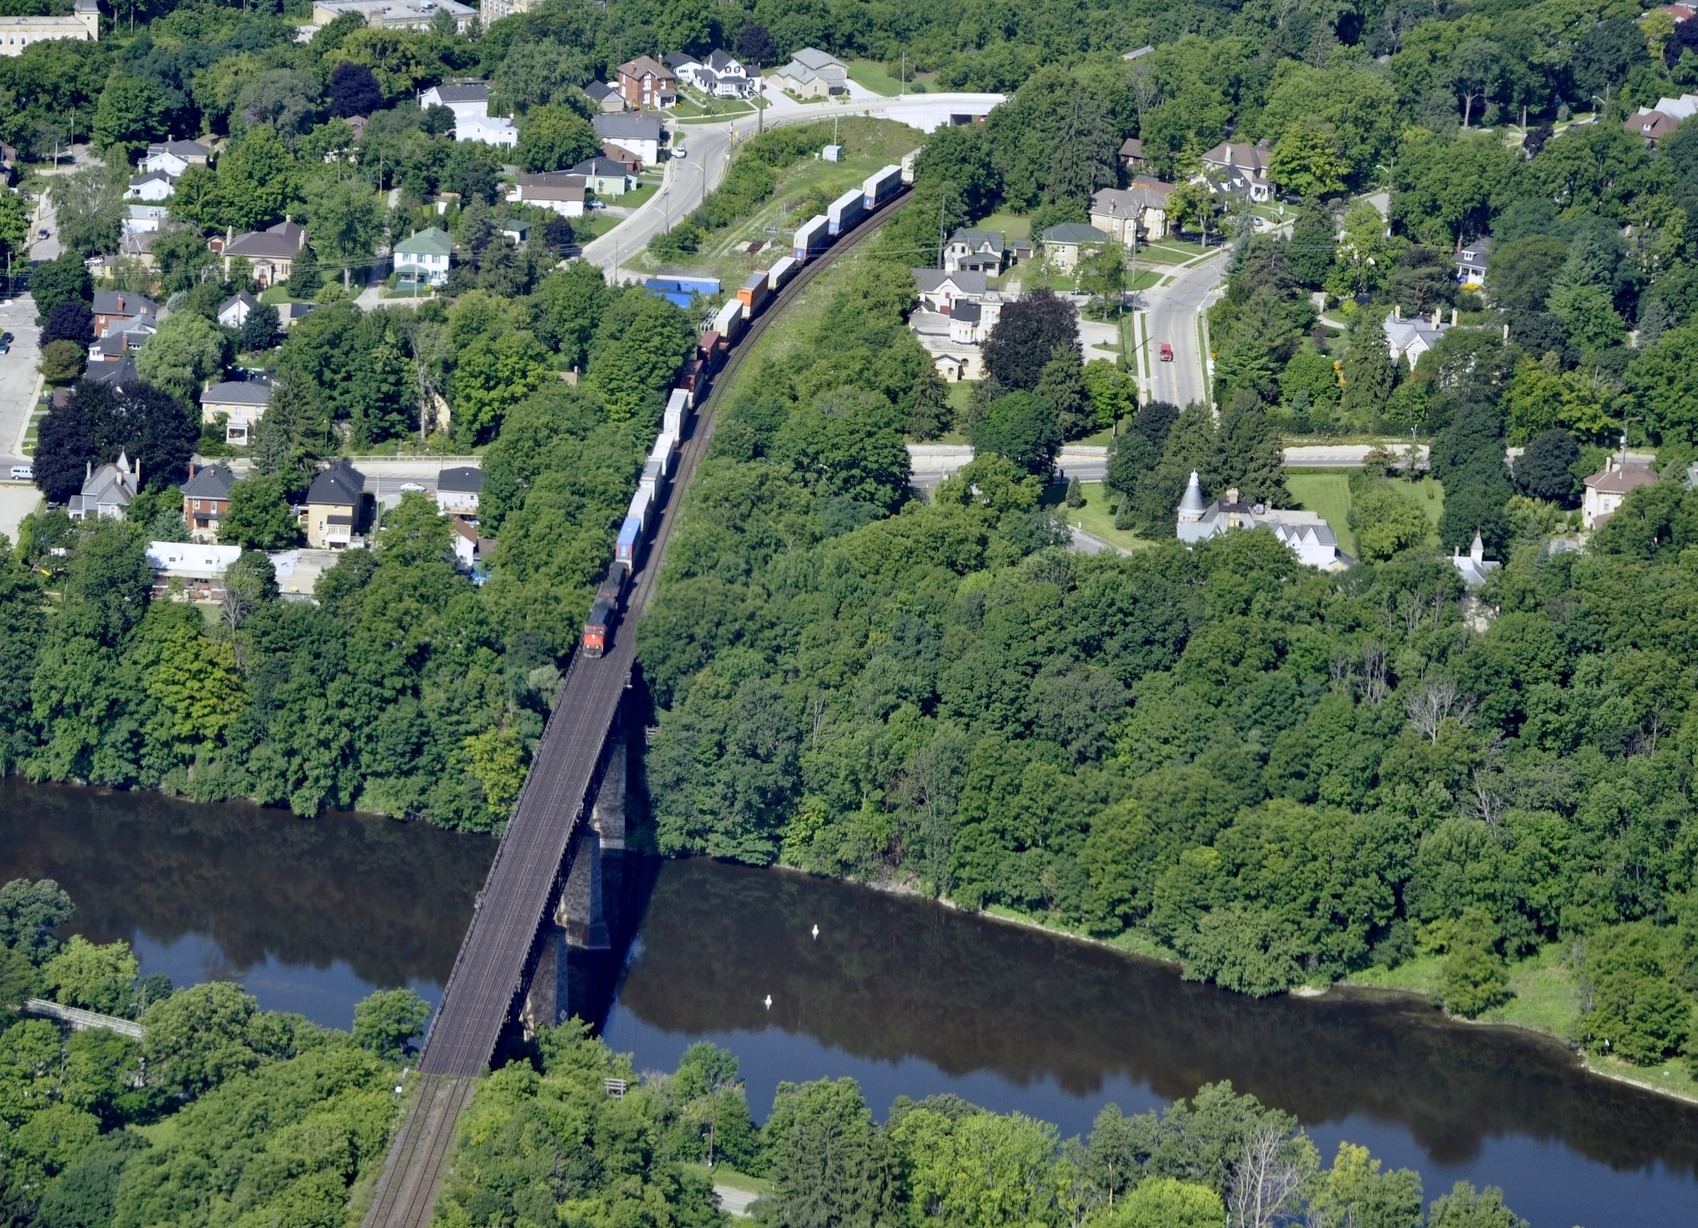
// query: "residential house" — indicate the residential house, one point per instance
point(241, 402)
point(425, 257)
point(469, 548)
point(122, 339)
point(175, 157)
point(335, 507)
point(457, 491)
point(151, 187)
point(137, 247)
point(1471, 263)
point(118, 375)
point(469, 100)
point(557, 190)
point(1408, 339)
point(604, 98)
point(731, 79)
point(1306, 534)
point(291, 314)
point(82, 26)
point(1132, 154)
point(978, 251)
point(143, 219)
point(395, 14)
point(494, 10)
point(1240, 168)
point(646, 82)
point(488, 130)
point(622, 157)
point(270, 253)
point(605, 177)
point(119, 307)
point(641, 134)
point(1654, 123)
point(519, 232)
point(106, 491)
point(812, 73)
point(195, 569)
point(1134, 214)
point(1474, 567)
point(1606, 489)
point(234, 312)
point(686, 69)
point(1064, 243)
point(206, 500)
point(940, 290)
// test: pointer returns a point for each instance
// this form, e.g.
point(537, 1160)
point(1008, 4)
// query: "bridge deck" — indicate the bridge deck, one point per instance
point(489, 971)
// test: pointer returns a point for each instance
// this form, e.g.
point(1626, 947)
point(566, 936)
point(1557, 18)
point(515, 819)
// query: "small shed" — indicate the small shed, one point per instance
point(832, 153)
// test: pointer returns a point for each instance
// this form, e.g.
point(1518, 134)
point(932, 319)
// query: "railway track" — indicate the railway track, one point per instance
point(488, 973)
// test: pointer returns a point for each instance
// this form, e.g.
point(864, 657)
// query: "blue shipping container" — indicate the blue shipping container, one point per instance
point(677, 298)
point(630, 533)
point(687, 285)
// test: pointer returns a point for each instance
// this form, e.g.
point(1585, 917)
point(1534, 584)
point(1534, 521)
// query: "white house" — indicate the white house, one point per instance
point(1240, 168)
point(1136, 213)
point(940, 290)
point(640, 133)
point(605, 177)
point(472, 120)
point(234, 312)
point(560, 191)
point(1474, 567)
point(1408, 339)
point(457, 492)
point(175, 157)
point(150, 187)
point(106, 491)
point(978, 251)
point(142, 219)
point(1306, 534)
point(20, 32)
point(425, 256)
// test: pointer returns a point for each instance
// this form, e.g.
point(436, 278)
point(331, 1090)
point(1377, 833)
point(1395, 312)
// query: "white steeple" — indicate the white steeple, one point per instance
point(1477, 551)
point(1191, 507)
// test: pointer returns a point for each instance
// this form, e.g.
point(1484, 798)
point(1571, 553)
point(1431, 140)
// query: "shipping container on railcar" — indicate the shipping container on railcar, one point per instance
point(810, 237)
point(908, 165)
point(880, 186)
point(729, 322)
point(781, 273)
point(677, 413)
point(752, 294)
point(844, 212)
point(666, 453)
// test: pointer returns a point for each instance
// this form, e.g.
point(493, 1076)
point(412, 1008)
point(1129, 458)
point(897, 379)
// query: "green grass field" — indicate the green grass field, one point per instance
point(874, 76)
point(1013, 225)
point(1097, 518)
point(1328, 494)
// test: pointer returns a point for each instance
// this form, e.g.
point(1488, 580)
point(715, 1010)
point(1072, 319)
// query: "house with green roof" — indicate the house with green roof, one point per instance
point(424, 257)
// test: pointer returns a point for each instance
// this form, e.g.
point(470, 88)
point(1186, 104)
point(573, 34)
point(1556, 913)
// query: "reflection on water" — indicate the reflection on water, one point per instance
point(913, 998)
point(907, 997)
point(309, 915)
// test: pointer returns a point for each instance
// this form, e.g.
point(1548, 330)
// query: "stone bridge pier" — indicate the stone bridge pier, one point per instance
point(581, 917)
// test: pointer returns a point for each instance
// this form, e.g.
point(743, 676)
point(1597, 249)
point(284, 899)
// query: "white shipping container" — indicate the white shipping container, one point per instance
point(677, 408)
point(639, 509)
point(782, 272)
point(730, 316)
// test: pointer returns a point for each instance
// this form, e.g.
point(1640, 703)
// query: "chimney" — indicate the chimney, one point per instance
point(120, 302)
point(88, 472)
point(1232, 494)
point(191, 468)
point(1438, 316)
point(1397, 311)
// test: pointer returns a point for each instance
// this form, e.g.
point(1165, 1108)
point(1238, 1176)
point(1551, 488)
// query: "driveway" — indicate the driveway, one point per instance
point(17, 500)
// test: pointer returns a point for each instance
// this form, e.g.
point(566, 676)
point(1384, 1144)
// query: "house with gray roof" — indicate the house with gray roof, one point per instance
point(561, 191)
point(1136, 213)
point(605, 177)
point(242, 404)
point(270, 253)
point(206, 500)
point(812, 73)
point(638, 132)
point(334, 511)
point(106, 491)
point(1409, 338)
point(604, 97)
point(233, 312)
point(978, 251)
point(1474, 567)
point(1306, 534)
point(175, 157)
point(940, 289)
point(1063, 242)
point(457, 491)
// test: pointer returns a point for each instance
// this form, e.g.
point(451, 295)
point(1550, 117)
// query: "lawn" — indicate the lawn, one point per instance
point(275, 295)
point(874, 76)
point(1328, 494)
point(724, 1174)
point(1171, 251)
point(960, 395)
point(1097, 518)
point(1013, 225)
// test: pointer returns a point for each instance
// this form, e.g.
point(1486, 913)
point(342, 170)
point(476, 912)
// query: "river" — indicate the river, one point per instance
point(908, 997)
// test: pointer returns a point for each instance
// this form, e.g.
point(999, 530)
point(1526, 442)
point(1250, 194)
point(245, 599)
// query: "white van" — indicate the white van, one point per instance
point(23, 473)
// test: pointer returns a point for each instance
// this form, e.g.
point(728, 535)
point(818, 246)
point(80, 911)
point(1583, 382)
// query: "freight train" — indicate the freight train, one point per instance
point(753, 297)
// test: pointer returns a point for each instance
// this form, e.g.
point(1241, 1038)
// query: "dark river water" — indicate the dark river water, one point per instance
point(907, 997)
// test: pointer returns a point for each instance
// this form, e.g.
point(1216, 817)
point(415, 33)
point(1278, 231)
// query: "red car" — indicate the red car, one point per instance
point(1166, 352)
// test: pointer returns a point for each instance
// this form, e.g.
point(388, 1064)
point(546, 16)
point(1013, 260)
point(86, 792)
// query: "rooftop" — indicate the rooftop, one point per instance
point(463, 478)
point(339, 484)
point(237, 392)
point(432, 241)
point(1074, 233)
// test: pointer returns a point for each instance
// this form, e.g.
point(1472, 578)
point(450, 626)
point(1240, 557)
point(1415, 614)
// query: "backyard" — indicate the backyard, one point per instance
point(1327, 491)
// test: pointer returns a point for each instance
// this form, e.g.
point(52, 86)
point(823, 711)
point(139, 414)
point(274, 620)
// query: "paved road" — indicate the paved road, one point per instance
point(1173, 314)
point(932, 462)
point(734, 1201)
point(707, 154)
point(18, 378)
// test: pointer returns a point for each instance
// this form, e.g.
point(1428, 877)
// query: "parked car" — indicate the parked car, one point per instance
point(1166, 352)
point(23, 473)
point(596, 204)
point(680, 153)
point(42, 233)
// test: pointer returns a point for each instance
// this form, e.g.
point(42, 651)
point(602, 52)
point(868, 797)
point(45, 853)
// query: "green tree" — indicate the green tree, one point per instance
point(14, 230)
point(89, 208)
point(1022, 427)
point(131, 113)
point(553, 138)
point(96, 978)
point(930, 414)
point(344, 226)
point(1061, 385)
point(64, 279)
point(1545, 469)
point(261, 330)
point(387, 1021)
point(1472, 978)
point(1367, 368)
point(185, 352)
point(1386, 523)
point(496, 760)
point(1634, 1005)
point(61, 362)
point(636, 354)
point(567, 305)
point(981, 1170)
point(820, 1140)
point(294, 431)
point(1251, 456)
point(29, 913)
point(1163, 1202)
point(1313, 247)
point(1354, 1193)
point(255, 180)
point(1306, 161)
point(199, 1037)
point(1466, 1207)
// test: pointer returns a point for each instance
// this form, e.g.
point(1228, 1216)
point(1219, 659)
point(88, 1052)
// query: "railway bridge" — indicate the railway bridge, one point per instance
point(543, 893)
